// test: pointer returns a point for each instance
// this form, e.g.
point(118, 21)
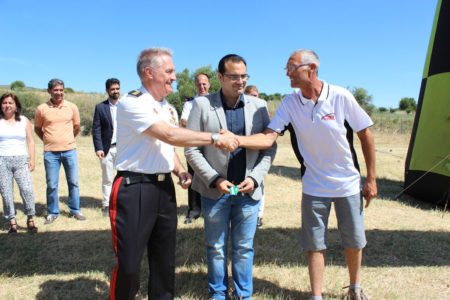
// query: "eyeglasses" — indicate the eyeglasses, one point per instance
point(235, 77)
point(294, 67)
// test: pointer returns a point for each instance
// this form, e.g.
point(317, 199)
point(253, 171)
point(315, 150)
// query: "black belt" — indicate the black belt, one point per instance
point(134, 177)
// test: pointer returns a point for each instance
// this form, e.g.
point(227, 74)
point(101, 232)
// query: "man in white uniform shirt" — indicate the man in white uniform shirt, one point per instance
point(104, 135)
point(202, 86)
point(194, 198)
point(143, 209)
point(321, 119)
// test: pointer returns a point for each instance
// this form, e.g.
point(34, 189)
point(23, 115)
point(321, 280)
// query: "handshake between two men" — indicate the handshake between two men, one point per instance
point(228, 141)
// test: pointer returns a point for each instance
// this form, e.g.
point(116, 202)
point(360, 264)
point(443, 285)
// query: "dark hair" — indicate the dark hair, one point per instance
point(233, 57)
point(112, 81)
point(55, 82)
point(18, 105)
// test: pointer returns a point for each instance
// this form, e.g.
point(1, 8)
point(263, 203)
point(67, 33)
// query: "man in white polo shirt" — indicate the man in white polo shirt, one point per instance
point(321, 119)
point(143, 209)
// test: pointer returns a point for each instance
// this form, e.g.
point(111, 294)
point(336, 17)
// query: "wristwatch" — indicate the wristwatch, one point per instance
point(214, 138)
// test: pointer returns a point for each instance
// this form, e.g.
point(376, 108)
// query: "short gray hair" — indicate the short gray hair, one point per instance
point(55, 82)
point(150, 57)
point(308, 56)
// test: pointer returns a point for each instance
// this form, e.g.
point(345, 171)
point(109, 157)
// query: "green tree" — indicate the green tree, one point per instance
point(29, 103)
point(382, 109)
point(264, 96)
point(17, 85)
point(408, 104)
point(364, 99)
point(69, 90)
point(176, 101)
point(276, 96)
point(213, 77)
point(185, 84)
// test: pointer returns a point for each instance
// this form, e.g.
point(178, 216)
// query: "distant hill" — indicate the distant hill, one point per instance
point(27, 88)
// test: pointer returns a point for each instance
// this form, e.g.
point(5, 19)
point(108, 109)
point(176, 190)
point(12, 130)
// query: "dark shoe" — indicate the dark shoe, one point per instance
point(50, 219)
point(105, 211)
point(356, 294)
point(12, 227)
point(191, 218)
point(78, 216)
point(31, 227)
point(259, 222)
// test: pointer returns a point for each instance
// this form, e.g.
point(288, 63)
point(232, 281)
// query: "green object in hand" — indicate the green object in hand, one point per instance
point(234, 190)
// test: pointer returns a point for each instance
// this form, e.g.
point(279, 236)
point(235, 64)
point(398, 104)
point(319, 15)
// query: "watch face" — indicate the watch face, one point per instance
point(215, 137)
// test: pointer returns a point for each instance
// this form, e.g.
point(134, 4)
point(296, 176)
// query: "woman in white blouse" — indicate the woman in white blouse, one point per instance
point(16, 136)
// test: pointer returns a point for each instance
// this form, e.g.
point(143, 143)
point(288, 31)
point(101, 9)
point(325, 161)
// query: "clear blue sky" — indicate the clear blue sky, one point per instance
point(378, 45)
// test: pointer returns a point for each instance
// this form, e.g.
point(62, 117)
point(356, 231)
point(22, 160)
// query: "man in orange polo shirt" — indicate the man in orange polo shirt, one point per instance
point(57, 123)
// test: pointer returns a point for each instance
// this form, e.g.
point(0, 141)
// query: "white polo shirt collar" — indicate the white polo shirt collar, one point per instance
point(324, 93)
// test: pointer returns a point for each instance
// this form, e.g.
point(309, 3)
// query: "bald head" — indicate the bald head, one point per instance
point(202, 84)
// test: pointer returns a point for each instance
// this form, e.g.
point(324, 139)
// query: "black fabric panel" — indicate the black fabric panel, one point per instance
point(350, 142)
point(294, 143)
point(433, 188)
point(416, 123)
point(440, 55)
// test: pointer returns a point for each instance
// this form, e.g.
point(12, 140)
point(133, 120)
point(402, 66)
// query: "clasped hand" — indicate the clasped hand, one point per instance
point(246, 186)
point(227, 141)
point(185, 179)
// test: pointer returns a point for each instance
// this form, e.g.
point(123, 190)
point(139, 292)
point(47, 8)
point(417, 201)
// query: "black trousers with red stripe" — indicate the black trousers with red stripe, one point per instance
point(143, 215)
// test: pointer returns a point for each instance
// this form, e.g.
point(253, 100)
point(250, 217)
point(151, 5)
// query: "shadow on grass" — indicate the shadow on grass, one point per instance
point(87, 288)
point(84, 251)
point(79, 288)
point(182, 210)
point(388, 189)
point(289, 172)
point(85, 202)
point(186, 289)
point(41, 208)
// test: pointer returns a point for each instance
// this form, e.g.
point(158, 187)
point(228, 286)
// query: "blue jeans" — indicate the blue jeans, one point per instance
point(238, 213)
point(52, 162)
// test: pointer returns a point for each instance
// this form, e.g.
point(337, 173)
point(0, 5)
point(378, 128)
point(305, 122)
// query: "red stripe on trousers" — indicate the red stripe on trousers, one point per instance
point(112, 215)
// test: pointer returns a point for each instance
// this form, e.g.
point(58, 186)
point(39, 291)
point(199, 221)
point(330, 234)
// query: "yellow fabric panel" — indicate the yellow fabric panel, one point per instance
point(432, 142)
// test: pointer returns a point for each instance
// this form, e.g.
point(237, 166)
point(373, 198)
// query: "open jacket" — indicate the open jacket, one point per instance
point(208, 162)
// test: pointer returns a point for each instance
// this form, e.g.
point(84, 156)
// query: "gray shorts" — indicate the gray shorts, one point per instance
point(349, 214)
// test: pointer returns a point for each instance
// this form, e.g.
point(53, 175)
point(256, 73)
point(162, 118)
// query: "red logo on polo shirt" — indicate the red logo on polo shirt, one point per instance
point(329, 117)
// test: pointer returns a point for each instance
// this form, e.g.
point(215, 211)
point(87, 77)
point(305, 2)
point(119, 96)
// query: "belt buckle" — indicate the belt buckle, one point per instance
point(161, 177)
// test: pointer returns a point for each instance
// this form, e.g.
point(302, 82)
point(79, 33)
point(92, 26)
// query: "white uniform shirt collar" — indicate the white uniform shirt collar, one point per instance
point(145, 91)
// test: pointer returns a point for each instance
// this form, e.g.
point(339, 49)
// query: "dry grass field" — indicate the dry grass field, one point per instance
point(407, 256)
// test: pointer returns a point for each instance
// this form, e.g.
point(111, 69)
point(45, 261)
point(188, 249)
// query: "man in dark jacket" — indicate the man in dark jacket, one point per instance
point(104, 136)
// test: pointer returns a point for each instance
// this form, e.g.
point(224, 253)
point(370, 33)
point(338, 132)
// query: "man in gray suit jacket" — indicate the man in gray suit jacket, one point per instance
point(218, 173)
